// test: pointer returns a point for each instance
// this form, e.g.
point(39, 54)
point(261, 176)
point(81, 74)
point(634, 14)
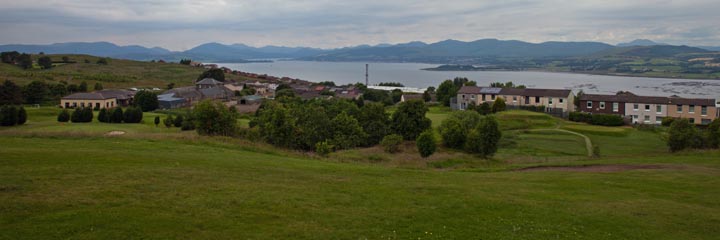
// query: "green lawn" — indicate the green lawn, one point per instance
point(160, 183)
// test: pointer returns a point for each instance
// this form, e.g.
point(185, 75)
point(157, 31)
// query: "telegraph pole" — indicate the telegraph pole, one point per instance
point(366, 75)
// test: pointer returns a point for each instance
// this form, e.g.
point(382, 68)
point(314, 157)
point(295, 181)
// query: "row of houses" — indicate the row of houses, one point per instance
point(634, 108)
point(556, 101)
point(650, 109)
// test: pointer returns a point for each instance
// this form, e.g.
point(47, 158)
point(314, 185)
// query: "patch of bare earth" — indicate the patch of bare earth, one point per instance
point(114, 133)
point(596, 168)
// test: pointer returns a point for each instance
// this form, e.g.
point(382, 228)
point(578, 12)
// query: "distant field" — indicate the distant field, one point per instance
point(116, 74)
point(71, 181)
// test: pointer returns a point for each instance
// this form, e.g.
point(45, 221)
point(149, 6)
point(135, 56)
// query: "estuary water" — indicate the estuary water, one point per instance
point(411, 75)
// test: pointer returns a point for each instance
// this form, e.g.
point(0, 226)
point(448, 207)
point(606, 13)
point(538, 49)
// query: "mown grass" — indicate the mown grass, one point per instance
point(158, 183)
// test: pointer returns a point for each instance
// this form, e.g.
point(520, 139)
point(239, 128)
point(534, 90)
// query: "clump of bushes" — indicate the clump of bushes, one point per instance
point(323, 148)
point(82, 115)
point(12, 115)
point(133, 115)
point(531, 108)
point(64, 116)
point(469, 131)
point(391, 143)
point(426, 143)
point(685, 135)
point(597, 119)
point(666, 122)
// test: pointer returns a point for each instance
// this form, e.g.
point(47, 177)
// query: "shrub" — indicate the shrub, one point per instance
point(157, 121)
point(133, 115)
point(580, 117)
point(21, 116)
point(596, 151)
point(8, 115)
point(485, 138)
point(646, 127)
point(347, 132)
point(189, 124)
point(668, 121)
point(484, 108)
point(323, 148)
point(607, 120)
point(409, 120)
point(117, 115)
point(213, 118)
point(426, 143)
point(63, 116)
point(103, 116)
point(499, 105)
point(168, 122)
point(713, 132)
point(391, 143)
point(82, 115)
point(178, 121)
point(681, 135)
point(453, 133)
point(146, 100)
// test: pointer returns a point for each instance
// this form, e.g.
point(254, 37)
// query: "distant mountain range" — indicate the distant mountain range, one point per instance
point(439, 52)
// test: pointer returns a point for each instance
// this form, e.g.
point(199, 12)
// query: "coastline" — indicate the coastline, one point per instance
point(588, 73)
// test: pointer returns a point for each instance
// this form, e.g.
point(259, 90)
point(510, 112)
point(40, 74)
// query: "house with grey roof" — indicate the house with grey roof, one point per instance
point(98, 99)
point(557, 101)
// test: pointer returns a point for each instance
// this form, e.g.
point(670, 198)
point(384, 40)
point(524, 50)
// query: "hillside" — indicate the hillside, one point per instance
point(117, 73)
point(160, 183)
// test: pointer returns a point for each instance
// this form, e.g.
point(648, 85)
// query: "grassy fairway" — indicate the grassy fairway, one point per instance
point(155, 183)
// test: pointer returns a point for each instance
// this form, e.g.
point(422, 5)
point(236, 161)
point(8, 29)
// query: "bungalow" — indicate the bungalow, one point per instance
point(99, 99)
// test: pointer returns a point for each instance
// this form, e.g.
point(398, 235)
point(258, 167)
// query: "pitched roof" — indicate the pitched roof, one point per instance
point(101, 95)
point(533, 92)
point(628, 97)
point(208, 81)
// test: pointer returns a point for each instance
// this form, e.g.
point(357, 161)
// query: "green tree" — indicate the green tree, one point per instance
point(73, 88)
point(170, 86)
point(83, 87)
point(36, 92)
point(576, 101)
point(713, 132)
point(396, 95)
point(681, 135)
point(427, 96)
point(484, 139)
point(8, 115)
point(178, 121)
point(445, 92)
point(409, 120)
point(146, 100)
point(157, 121)
point(22, 116)
point(9, 57)
point(216, 73)
point(284, 93)
point(117, 115)
point(133, 115)
point(426, 143)
point(45, 62)
point(213, 118)
point(63, 116)
point(453, 133)
point(103, 115)
point(347, 132)
point(58, 90)
point(484, 108)
point(168, 122)
point(98, 86)
point(375, 121)
point(498, 105)
point(10, 93)
point(323, 148)
point(24, 61)
point(391, 143)
point(276, 124)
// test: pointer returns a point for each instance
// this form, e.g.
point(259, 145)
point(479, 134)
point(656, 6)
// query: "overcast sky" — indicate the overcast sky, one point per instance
point(182, 24)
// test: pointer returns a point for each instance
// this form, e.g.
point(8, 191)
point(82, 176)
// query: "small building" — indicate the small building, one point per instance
point(99, 99)
point(169, 101)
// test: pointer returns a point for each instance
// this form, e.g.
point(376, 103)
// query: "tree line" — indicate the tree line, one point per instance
point(38, 91)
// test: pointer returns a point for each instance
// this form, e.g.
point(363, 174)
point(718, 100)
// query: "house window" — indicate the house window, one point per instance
point(483, 97)
point(82, 104)
point(616, 107)
point(492, 97)
point(647, 107)
point(537, 99)
point(692, 109)
point(647, 119)
point(463, 96)
point(472, 96)
point(703, 110)
point(658, 120)
point(514, 98)
point(705, 121)
point(636, 107)
point(589, 104)
point(561, 100)
point(550, 100)
point(602, 105)
point(67, 104)
point(679, 108)
point(74, 104)
point(658, 108)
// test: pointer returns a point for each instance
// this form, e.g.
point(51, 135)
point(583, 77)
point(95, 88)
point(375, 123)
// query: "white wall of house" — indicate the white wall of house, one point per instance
point(646, 113)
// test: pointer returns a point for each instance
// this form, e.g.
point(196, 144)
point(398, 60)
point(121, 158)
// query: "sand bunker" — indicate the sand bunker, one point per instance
point(114, 133)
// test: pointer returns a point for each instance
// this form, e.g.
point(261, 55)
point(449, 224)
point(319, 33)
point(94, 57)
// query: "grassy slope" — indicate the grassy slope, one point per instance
point(154, 183)
point(117, 74)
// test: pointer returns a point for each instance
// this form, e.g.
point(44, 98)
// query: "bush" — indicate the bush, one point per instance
point(213, 118)
point(323, 148)
point(347, 132)
point(391, 143)
point(580, 117)
point(409, 120)
point(533, 108)
point(453, 133)
point(103, 116)
point(485, 138)
point(133, 115)
point(646, 127)
point(682, 135)
point(666, 122)
point(713, 132)
point(178, 121)
point(168, 122)
point(426, 143)
point(8, 115)
point(499, 105)
point(146, 100)
point(607, 120)
point(117, 115)
point(484, 108)
point(63, 116)
point(157, 121)
point(22, 116)
point(188, 124)
point(82, 115)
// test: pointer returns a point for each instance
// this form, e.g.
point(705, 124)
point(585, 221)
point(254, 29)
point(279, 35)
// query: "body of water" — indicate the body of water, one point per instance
point(410, 75)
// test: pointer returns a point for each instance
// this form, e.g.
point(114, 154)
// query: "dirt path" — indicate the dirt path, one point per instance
point(596, 168)
point(588, 143)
